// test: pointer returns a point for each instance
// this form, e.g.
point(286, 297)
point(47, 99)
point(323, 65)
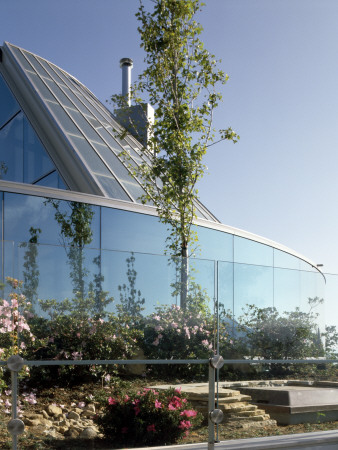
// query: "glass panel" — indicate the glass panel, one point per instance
point(287, 289)
point(112, 188)
point(8, 104)
point(36, 161)
point(285, 260)
point(251, 252)
point(89, 155)
point(253, 286)
point(57, 92)
point(85, 127)
point(25, 216)
point(226, 286)
point(215, 245)
point(40, 86)
point(112, 161)
point(63, 119)
point(133, 188)
point(11, 150)
point(127, 231)
point(51, 180)
point(35, 63)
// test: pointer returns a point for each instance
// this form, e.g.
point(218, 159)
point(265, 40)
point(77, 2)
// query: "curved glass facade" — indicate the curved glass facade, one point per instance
point(232, 270)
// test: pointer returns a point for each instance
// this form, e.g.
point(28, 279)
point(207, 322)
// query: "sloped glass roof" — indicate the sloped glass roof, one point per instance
point(84, 125)
point(22, 156)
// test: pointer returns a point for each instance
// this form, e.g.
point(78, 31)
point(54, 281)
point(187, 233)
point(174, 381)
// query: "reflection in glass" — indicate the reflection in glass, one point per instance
point(21, 212)
point(128, 231)
point(285, 260)
point(253, 286)
point(36, 161)
point(250, 252)
point(8, 104)
point(11, 150)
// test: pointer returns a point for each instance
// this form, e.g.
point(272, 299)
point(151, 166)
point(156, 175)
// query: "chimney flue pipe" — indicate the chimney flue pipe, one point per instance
point(126, 65)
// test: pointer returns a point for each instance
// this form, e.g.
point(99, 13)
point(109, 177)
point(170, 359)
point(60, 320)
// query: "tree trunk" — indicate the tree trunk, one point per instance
point(184, 276)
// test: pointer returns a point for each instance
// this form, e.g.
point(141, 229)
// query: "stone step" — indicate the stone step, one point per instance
point(236, 418)
point(265, 423)
point(257, 412)
point(235, 407)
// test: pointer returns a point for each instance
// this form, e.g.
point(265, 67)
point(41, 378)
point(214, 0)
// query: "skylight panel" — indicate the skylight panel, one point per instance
point(87, 153)
point(112, 188)
point(83, 125)
point(59, 95)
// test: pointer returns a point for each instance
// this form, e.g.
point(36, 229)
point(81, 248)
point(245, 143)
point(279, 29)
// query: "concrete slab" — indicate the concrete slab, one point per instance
point(296, 404)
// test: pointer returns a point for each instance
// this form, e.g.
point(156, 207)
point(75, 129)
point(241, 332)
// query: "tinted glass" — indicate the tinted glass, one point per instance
point(11, 150)
point(36, 161)
point(52, 180)
point(8, 105)
point(285, 260)
point(250, 252)
point(124, 230)
point(253, 286)
point(24, 214)
point(215, 245)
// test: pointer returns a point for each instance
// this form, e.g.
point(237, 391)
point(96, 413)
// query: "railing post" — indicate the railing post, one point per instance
point(215, 416)
point(15, 426)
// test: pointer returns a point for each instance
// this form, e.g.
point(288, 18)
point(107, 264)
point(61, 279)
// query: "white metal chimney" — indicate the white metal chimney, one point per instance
point(126, 65)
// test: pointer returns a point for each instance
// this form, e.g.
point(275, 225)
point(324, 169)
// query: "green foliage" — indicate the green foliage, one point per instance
point(31, 269)
point(269, 334)
point(72, 332)
point(147, 418)
point(76, 233)
point(331, 341)
point(131, 300)
point(176, 333)
point(181, 82)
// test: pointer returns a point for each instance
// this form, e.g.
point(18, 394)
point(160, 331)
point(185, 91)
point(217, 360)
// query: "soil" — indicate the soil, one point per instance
point(67, 396)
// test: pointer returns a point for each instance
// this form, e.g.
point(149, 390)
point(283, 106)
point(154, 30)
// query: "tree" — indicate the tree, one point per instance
point(180, 81)
point(31, 270)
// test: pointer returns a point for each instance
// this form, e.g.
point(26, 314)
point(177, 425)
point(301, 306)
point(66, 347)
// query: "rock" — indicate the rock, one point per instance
point(88, 433)
point(54, 410)
point(88, 413)
point(45, 414)
point(71, 433)
point(31, 422)
point(73, 415)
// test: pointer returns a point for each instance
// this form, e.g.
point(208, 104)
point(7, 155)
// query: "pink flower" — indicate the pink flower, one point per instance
point(184, 424)
point(178, 390)
point(151, 427)
point(112, 401)
point(137, 410)
point(189, 413)
point(158, 404)
point(171, 407)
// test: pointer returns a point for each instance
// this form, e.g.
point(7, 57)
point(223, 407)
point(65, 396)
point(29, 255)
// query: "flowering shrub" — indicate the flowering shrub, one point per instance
point(15, 332)
point(14, 314)
point(147, 418)
point(73, 337)
point(175, 333)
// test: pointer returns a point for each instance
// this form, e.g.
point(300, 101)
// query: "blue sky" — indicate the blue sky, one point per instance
point(280, 181)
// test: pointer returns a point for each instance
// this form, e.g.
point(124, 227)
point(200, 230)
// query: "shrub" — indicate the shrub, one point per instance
point(147, 418)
